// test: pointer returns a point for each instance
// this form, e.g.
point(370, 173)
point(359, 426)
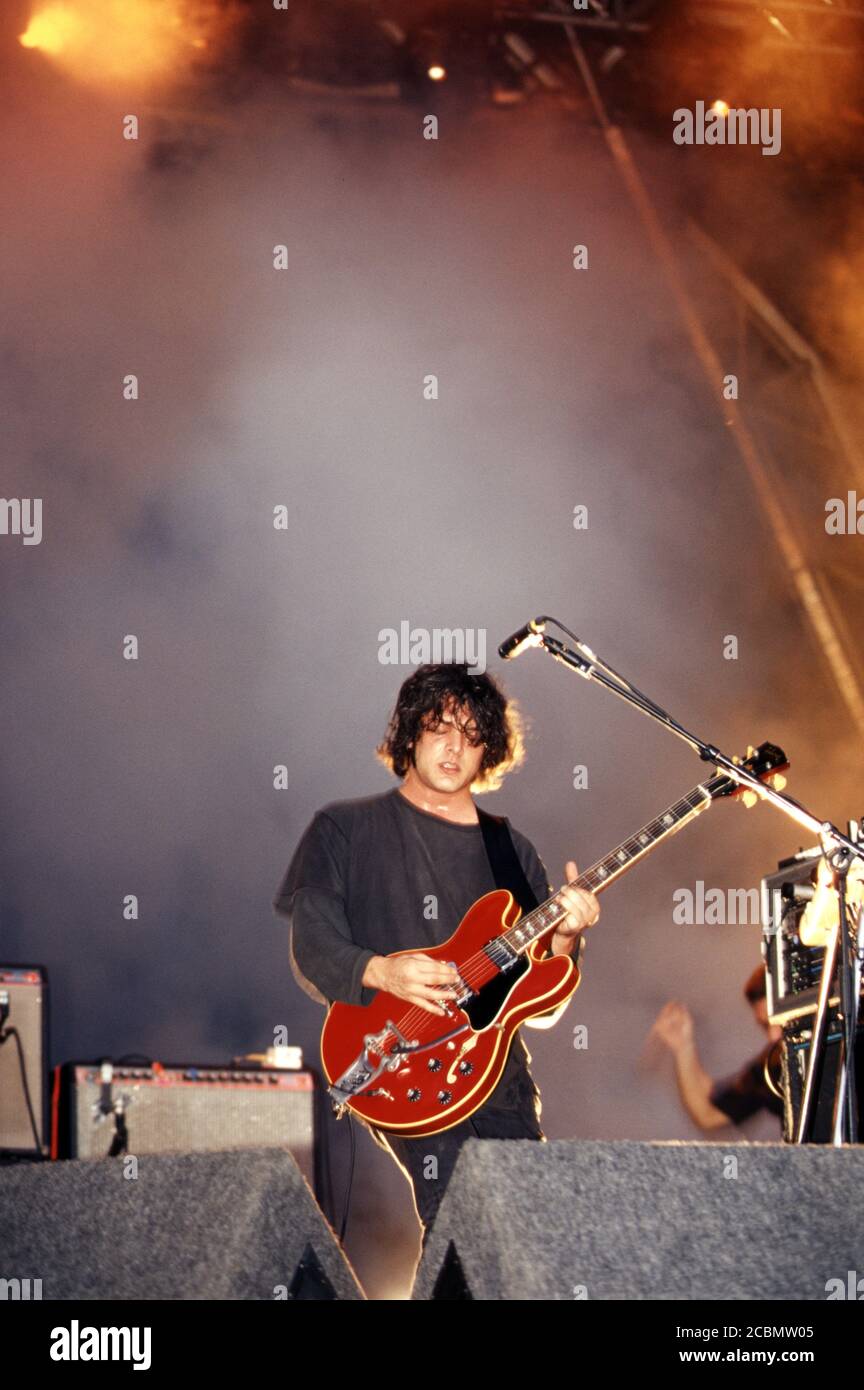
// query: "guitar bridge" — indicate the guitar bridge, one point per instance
point(364, 1071)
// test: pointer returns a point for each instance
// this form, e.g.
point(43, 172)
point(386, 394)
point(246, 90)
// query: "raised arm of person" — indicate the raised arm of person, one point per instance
point(674, 1027)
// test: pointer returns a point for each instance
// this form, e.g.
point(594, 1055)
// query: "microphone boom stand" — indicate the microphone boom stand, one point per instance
point(838, 849)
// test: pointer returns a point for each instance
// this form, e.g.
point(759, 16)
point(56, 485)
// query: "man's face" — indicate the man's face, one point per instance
point(445, 758)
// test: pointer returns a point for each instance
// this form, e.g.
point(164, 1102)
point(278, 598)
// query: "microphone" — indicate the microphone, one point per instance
point(528, 636)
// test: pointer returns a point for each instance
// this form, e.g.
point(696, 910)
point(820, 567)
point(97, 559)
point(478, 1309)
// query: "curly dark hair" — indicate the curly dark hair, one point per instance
point(428, 693)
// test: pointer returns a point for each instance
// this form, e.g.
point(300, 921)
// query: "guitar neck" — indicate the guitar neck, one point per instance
point(606, 870)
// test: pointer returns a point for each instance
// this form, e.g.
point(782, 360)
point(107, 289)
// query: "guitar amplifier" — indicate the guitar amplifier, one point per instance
point(793, 970)
point(100, 1109)
point(793, 976)
point(24, 1073)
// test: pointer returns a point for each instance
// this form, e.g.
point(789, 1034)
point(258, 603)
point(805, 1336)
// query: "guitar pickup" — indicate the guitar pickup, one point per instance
point(501, 955)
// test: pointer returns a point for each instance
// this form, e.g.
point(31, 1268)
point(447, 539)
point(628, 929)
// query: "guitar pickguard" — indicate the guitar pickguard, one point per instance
point(488, 1002)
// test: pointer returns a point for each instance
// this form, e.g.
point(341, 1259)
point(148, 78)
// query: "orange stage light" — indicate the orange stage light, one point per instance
point(138, 41)
point(51, 30)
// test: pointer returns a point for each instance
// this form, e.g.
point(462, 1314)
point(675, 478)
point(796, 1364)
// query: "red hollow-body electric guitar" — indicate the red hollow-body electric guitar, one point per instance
point(404, 1069)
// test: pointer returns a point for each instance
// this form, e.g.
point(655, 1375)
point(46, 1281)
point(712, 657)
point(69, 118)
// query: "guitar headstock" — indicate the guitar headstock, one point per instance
point(767, 762)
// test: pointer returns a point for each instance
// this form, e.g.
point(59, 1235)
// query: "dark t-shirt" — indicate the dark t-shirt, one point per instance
point(742, 1095)
point(378, 875)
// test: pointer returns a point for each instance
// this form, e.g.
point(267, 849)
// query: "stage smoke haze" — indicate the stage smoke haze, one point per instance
point(303, 388)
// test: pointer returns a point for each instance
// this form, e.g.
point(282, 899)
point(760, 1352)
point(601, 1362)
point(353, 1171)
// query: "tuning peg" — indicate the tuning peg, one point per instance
point(751, 751)
point(749, 798)
point(778, 781)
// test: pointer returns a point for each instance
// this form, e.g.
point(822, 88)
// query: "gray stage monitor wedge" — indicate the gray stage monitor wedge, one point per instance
point(241, 1224)
point(574, 1219)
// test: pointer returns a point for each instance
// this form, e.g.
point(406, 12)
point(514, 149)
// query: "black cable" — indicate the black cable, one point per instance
point(344, 1226)
point(6, 1033)
point(120, 1142)
point(323, 1148)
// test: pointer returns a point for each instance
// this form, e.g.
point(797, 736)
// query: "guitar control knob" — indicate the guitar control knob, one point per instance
point(466, 1068)
point(434, 1064)
point(414, 1094)
point(445, 1097)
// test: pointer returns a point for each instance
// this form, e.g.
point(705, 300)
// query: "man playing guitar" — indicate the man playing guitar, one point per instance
point(387, 873)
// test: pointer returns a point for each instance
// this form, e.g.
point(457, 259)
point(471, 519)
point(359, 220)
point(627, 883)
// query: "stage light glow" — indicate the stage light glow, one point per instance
point(104, 42)
point(436, 72)
point(52, 30)
point(720, 107)
point(777, 24)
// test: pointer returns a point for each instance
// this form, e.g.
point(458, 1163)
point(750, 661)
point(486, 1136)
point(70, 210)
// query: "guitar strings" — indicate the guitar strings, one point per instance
point(469, 972)
point(704, 794)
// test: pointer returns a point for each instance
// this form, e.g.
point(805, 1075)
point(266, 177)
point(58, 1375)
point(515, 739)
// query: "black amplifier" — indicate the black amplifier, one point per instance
point(795, 1054)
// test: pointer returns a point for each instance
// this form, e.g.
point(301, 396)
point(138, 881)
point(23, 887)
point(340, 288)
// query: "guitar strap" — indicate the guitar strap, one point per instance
point(504, 861)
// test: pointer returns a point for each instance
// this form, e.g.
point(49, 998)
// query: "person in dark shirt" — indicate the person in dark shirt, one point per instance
point(397, 871)
point(737, 1098)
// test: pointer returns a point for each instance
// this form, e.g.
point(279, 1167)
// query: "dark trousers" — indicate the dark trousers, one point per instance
point(428, 1163)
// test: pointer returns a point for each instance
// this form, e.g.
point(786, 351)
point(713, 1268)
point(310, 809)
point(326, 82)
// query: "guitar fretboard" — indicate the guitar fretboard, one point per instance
point(595, 879)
